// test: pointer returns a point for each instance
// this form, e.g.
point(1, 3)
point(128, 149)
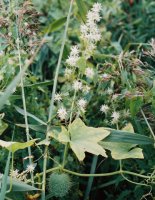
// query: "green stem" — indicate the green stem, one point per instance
point(107, 174)
point(52, 101)
point(96, 175)
point(24, 100)
point(148, 124)
point(59, 63)
point(70, 120)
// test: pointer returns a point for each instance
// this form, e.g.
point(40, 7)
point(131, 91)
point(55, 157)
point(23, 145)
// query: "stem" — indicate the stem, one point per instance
point(148, 124)
point(96, 175)
point(59, 62)
point(24, 102)
point(106, 174)
point(70, 119)
point(52, 100)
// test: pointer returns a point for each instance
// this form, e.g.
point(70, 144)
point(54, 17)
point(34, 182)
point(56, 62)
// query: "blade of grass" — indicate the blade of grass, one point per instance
point(91, 179)
point(21, 111)
point(4, 178)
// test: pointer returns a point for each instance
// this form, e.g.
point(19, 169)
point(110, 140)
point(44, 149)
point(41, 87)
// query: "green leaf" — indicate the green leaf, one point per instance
point(54, 26)
point(135, 105)
point(121, 151)
point(83, 138)
point(21, 111)
point(3, 126)
point(82, 9)
point(14, 146)
point(125, 137)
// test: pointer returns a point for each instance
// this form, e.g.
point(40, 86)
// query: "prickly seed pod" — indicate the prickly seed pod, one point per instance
point(59, 184)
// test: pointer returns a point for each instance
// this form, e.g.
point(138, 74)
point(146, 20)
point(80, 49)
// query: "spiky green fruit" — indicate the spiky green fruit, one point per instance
point(59, 184)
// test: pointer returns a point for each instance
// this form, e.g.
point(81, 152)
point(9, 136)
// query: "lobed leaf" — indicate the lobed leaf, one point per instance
point(122, 150)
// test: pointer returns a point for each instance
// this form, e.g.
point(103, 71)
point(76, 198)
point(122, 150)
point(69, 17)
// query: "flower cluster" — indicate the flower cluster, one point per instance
point(89, 31)
point(23, 175)
point(82, 104)
point(62, 113)
point(73, 57)
point(90, 35)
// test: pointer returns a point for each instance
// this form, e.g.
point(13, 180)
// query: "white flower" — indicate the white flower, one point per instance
point(72, 60)
point(68, 72)
point(84, 29)
point(82, 104)
point(104, 108)
point(30, 167)
point(105, 75)
point(97, 7)
point(73, 57)
point(14, 173)
point(62, 113)
point(126, 113)
point(93, 17)
point(89, 72)
point(115, 96)
point(77, 85)
point(86, 89)
point(74, 51)
point(57, 97)
point(109, 91)
point(115, 115)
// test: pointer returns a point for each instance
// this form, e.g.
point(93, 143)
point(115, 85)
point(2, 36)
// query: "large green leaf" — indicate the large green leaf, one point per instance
point(121, 151)
point(14, 146)
point(83, 138)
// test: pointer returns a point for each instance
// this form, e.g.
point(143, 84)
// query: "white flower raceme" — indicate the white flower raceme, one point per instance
point(62, 113)
point(104, 108)
point(90, 31)
point(89, 72)
point(73, 57)
point(57, 97)
point(82, 104)
point(115, 115)
point(77, 85)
